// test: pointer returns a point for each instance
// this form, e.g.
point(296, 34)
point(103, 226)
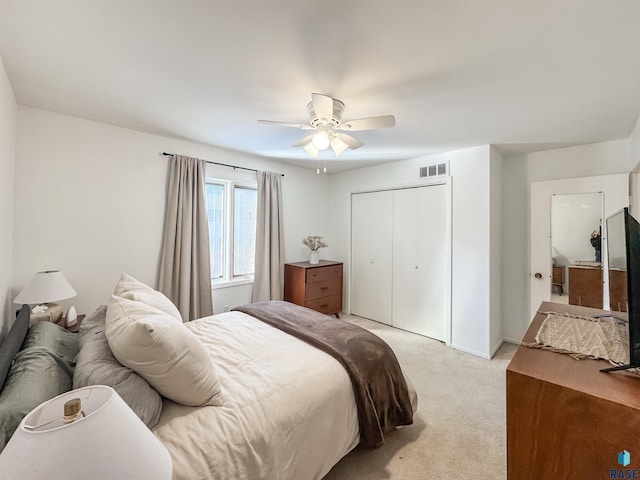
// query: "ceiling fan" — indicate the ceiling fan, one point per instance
point(325, 118)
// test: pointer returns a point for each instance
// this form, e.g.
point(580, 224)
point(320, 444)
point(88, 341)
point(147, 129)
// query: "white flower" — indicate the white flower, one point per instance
point(314, 242)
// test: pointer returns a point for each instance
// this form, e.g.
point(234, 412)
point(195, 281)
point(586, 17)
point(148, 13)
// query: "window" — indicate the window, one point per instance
point(215, 214)
point(231, 211)
point(244, 230)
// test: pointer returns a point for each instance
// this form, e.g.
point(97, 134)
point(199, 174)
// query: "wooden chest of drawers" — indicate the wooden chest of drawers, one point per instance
point(585, 286)
point(618, 298)
point(557, 280)
point(318, 287)
point(565, 418)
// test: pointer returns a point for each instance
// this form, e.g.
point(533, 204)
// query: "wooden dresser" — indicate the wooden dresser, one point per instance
point(318, 287)
point(618, 290)
point(557, 279)
point(565, 418)
point(585, 286)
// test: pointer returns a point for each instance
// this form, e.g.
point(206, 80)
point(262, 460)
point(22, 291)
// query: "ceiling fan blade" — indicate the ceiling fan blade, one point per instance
point(349, 140)
point(370, 123)
point(323, 106)
point(304, 141)
point(285, 124)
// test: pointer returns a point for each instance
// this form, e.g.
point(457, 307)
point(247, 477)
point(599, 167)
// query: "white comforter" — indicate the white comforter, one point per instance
point(289, 410)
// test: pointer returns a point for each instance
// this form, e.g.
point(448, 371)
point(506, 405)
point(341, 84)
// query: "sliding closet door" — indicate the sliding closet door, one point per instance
point(420, 260)
point(371, 286)
point(435, 261)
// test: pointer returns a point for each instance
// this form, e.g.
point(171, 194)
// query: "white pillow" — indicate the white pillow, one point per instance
point(132, 289)
point(162, 351)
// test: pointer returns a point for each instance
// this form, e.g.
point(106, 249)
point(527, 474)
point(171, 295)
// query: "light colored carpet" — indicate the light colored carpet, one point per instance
point(459, 430)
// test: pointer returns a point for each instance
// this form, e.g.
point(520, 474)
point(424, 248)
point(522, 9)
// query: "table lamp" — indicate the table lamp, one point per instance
point(88, 433)
point(43, 288)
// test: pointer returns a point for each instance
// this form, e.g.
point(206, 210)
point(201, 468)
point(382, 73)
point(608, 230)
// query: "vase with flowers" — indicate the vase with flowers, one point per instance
point(315, 243)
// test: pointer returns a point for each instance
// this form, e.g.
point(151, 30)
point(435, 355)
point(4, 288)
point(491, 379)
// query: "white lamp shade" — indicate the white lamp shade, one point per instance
point(110, 442)
point(47, 286)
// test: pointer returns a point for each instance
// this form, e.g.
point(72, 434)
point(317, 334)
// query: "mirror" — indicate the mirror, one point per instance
point(576, 249)
point(617, 250)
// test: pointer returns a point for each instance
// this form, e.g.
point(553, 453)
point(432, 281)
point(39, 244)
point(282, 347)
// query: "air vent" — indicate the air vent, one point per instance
point(434, 170)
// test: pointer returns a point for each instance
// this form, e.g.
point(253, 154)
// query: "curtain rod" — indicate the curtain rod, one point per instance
point(221, 164)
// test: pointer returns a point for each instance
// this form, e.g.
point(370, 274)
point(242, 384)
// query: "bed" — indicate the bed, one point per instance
point(284, 409)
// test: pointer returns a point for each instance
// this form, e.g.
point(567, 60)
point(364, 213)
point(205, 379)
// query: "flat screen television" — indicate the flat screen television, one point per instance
point(623, 249)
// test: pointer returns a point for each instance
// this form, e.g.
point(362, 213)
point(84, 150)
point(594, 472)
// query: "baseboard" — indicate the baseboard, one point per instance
point(471, 351)
point(511, 340)
point(497, 347)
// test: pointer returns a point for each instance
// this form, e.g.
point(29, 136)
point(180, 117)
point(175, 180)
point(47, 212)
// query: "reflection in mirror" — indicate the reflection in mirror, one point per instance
point(576, 249)
point(617, 263)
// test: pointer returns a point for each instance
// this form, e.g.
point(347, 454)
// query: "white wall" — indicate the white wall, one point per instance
point(634, 182)
point(582, 161)
point(90, 197)
point(471, 287)
point(519, 171)
point(495, 232)
point(634, 145)
point(515, 248)
point(471, 250)
point(8, 126)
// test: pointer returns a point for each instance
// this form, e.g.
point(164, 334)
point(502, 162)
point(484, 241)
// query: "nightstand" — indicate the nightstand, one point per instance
point(316, 286)
point(75, 328)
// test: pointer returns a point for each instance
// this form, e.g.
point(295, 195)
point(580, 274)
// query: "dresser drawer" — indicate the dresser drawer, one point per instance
point(319, 274)
point(323, 288)
point(330, 304)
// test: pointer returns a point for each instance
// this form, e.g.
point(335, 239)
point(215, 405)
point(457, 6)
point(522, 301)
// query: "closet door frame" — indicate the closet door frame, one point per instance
point(448, 279)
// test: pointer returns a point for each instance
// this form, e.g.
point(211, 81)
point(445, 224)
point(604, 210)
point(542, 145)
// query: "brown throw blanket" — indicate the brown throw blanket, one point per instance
point(379, 386)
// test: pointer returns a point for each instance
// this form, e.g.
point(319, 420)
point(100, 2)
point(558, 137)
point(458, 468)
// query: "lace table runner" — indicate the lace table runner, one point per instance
point(584, 337)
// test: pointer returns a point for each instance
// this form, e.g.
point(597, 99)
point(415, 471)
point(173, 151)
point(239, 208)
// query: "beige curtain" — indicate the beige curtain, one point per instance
point(269, 272)
point(185, 271)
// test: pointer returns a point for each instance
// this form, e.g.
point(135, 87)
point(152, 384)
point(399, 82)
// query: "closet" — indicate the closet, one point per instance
point(400, 260)
point(371, 231)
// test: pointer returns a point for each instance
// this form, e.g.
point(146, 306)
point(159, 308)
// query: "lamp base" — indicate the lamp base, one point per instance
point(52, 313)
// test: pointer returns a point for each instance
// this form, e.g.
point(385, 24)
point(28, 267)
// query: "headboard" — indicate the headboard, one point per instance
point(13, 342)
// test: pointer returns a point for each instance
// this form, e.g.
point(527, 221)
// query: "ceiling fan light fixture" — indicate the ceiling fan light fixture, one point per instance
point(325, 119)
point(321, 140)
point(311, 149)
point(338, 146)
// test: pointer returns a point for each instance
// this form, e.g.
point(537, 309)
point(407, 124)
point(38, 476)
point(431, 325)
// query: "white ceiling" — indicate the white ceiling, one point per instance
point(522, 74)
